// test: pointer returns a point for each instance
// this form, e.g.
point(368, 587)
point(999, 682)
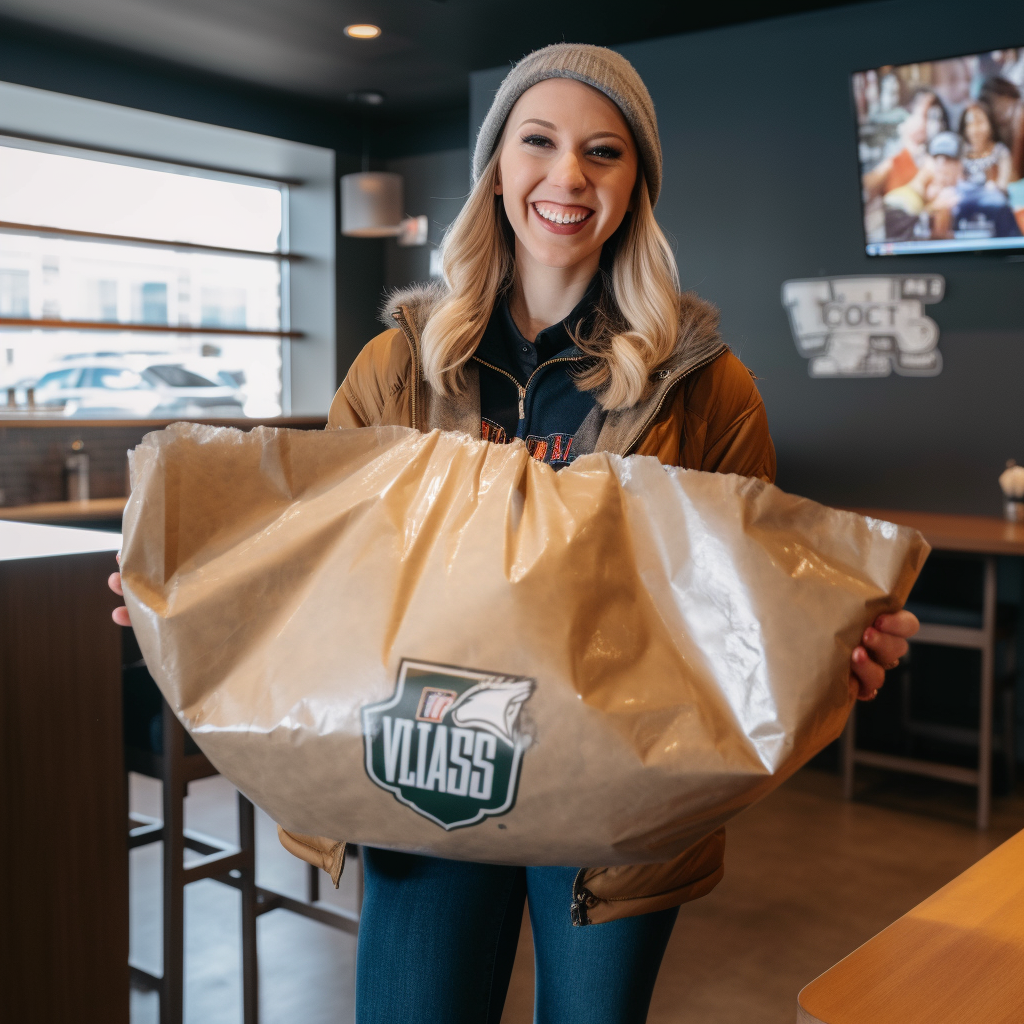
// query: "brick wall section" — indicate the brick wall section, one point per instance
point(32, 455)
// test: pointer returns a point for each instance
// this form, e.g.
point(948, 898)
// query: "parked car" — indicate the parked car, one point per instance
point(114, 388)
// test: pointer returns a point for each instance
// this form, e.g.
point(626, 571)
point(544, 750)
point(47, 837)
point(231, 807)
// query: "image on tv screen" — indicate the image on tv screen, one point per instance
point(941, 148)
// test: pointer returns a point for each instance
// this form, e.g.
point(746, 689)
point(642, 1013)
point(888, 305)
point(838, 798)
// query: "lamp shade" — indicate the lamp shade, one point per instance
point(371, 204)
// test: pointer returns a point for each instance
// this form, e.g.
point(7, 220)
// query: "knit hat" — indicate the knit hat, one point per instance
point(607, 71)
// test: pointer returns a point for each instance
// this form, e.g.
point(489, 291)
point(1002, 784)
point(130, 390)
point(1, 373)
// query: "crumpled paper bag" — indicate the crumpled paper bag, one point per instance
point(436, 644)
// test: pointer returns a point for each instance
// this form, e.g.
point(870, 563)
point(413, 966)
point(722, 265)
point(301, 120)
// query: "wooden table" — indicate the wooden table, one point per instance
point(957, 958)
point(92, 510)
point(63, 805)
point(980, 535)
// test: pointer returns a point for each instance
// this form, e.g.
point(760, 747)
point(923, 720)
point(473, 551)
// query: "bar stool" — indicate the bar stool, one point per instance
point(1004, 685)
point(171, 756)
point(979, 630)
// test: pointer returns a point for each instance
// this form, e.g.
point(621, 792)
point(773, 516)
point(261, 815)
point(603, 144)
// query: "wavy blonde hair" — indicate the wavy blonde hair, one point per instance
point(637, 320)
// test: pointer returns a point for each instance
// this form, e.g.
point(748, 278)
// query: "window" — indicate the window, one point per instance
point(13, 293)
point(102, 300)
point(165, 286)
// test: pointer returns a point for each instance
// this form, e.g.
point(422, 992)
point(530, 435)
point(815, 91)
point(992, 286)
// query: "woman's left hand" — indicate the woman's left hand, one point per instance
point(883, 644)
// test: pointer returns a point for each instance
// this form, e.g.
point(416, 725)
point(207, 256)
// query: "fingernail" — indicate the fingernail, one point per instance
point(869, 635)
point(858, 654)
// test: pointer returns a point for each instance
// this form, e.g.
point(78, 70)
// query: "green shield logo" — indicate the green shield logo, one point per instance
point(448, 742)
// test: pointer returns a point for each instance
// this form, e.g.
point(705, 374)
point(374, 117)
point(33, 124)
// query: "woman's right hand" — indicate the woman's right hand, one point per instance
point(120, 613)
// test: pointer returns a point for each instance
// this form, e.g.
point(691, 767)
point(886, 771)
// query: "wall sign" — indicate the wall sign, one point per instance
point(866, 326)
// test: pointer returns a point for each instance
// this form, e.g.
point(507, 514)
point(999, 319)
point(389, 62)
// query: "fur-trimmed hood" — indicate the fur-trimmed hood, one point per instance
point(698, 335)
point(619, 431)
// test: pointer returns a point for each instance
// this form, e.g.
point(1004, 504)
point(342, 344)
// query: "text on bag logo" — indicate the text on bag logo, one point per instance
point(448, 742)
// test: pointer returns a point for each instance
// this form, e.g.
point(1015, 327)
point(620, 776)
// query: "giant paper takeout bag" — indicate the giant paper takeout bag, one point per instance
point(437, 644)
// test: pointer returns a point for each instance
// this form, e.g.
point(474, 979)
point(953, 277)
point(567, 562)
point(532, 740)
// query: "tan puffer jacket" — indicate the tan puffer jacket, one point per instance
point(702, 411)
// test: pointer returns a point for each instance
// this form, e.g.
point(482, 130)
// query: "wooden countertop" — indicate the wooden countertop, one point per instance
point(984, 535)
point(956, 958)
point(91, 511)
point(83, 425)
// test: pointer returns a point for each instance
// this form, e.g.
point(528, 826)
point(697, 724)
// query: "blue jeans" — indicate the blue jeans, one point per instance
point(437, 939)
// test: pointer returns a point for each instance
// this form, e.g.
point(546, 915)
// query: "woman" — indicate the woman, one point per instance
point(561, 325)
point(926, 119)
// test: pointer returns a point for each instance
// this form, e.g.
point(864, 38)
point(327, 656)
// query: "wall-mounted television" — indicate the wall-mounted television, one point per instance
point(941, 148)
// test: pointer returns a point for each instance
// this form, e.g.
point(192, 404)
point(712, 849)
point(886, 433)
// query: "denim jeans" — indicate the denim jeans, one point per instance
point(437, 939)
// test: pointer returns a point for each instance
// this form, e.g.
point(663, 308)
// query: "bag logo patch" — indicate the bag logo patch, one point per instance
point(447, 743)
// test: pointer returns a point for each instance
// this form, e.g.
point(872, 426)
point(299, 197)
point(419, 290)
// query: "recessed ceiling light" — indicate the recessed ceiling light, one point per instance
point(368, 98)
point(362, 31)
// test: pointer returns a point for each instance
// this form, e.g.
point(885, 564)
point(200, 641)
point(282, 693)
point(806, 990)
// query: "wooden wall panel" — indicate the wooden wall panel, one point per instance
point(63, 807)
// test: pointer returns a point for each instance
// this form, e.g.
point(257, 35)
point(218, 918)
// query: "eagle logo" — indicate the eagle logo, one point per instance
point(493, 706)
point(448, 743)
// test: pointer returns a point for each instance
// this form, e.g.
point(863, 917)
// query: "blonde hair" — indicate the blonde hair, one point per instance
point(637, 319)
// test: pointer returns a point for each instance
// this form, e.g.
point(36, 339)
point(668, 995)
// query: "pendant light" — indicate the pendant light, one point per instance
point(372, 204)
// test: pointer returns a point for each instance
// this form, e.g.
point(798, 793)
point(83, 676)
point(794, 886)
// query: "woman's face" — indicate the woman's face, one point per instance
point(566, 171)
point(890, 92)
point(934, 121)
point(915, 127)
point(977, 128)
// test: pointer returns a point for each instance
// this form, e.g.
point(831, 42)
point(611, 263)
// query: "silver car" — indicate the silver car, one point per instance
point(114, 389)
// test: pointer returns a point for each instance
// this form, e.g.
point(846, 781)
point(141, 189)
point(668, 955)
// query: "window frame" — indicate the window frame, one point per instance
point(52, 122)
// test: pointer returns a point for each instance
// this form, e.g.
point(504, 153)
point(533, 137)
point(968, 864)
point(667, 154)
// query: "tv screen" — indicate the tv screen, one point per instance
point(941, 147)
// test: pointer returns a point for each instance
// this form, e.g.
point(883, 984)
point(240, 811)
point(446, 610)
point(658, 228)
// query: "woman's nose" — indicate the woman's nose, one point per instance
point(567, 173)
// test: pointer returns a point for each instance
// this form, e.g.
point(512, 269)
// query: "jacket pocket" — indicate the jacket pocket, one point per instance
point(607, 894)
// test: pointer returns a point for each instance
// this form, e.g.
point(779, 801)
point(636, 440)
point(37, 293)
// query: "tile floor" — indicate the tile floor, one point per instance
point(809, 877)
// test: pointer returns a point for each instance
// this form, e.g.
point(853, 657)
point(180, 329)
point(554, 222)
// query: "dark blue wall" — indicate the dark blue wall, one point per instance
point(761, 185)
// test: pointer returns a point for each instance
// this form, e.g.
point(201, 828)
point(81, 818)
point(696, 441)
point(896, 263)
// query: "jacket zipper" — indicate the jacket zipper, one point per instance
point(582, 898)
point(399, 316)
point(519, 387)
point(668, 388)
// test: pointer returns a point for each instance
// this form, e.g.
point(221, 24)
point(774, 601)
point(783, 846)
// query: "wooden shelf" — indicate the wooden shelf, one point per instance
point(137, 240)
point(114, 325)
point(91, 511)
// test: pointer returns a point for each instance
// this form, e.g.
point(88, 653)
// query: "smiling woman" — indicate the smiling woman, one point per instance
point(559, 325)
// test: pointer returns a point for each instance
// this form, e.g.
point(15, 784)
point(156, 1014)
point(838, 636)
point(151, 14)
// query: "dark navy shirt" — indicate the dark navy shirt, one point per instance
point(528, 390)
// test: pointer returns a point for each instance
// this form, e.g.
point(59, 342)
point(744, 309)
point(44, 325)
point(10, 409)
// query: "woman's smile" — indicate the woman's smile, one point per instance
point(561, 219)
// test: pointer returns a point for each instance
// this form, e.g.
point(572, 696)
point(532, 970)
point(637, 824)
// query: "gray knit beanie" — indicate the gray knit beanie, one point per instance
point(605, 70)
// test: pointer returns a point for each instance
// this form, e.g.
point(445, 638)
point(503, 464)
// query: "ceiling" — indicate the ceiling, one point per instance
point(420, 61)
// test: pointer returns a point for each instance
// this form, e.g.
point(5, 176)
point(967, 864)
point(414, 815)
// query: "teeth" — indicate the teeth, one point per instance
point(561, 218)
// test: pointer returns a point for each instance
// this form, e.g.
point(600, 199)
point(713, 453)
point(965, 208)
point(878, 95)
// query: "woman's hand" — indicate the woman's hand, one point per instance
point(120, 613)
point(883, 644)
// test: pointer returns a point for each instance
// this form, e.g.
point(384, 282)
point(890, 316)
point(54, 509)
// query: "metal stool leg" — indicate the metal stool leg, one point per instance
point(250, 965)
point(172, 986)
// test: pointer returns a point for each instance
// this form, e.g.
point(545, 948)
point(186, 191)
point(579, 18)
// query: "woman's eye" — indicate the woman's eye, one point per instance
point(605, 152)
point(536, 140)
